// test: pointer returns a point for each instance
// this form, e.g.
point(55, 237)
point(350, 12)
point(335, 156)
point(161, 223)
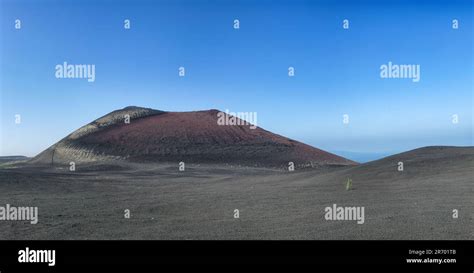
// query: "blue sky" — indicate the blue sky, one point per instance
point(337, 70)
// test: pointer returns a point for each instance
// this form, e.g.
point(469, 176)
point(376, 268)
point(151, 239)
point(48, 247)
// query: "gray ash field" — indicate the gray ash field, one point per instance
point(273, 203)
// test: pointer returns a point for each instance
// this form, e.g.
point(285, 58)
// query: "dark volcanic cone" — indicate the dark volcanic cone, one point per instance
point(192, 137)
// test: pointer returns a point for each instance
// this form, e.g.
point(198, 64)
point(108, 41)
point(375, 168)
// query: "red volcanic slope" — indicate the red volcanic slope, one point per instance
point(192, 137)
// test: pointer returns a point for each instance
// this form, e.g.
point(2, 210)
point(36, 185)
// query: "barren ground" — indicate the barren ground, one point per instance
point(274, 204)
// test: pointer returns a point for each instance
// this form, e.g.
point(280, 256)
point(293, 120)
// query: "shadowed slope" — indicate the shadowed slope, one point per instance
point(429, 158)
point(192, 137)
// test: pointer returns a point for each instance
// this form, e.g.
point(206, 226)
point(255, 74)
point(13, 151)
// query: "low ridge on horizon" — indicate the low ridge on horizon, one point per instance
point(192, 137)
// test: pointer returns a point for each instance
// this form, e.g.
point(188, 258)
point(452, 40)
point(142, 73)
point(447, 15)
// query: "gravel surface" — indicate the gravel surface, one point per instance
point(199, 203)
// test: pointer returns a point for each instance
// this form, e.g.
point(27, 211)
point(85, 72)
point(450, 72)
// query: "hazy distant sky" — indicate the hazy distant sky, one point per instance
point(337, 70)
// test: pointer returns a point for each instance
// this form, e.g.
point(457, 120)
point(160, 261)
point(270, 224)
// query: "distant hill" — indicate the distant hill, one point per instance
point(422, 162)
point(193, 137)
point(13, 158)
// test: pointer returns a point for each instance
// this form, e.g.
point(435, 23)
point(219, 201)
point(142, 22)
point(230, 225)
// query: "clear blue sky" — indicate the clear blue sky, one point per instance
point(337, 70)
